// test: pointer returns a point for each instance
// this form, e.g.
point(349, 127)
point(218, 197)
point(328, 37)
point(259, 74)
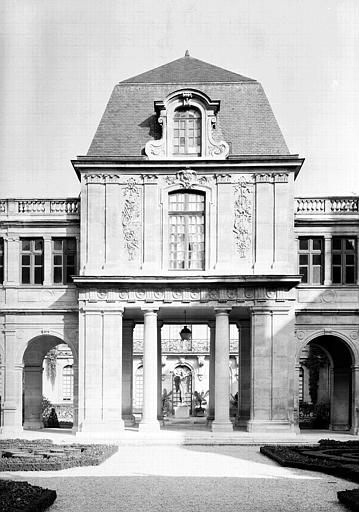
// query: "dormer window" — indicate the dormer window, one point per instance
point(187, 132)
point(189, 128)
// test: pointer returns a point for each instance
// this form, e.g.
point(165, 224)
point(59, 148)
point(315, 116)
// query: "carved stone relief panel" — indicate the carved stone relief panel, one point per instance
point(243, 207)
point(131, 218)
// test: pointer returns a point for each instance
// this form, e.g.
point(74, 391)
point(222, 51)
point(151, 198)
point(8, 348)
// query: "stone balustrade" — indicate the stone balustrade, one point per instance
point(326, 205)
point(26, 207)
point(177, 346)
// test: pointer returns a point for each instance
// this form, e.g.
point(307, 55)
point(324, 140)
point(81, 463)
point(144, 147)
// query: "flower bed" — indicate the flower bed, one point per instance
point(336, 458)
point(43, 455)
point(23, 497)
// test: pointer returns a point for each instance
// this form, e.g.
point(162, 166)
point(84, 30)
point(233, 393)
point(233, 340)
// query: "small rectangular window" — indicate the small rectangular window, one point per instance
point(63, 260)
point(311, 260)
point(32, 261)
point(344, 260)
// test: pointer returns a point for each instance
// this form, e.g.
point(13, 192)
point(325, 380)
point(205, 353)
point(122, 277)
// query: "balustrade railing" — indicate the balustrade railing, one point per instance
point(177, 346)
point(14, 207)
point(326, 205)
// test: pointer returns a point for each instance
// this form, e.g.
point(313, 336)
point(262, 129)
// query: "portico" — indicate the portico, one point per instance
point(264, 320)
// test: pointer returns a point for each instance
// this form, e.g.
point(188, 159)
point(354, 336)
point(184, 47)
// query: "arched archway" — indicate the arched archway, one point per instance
point(33, 361)
point(325, 385)
point(182, 386)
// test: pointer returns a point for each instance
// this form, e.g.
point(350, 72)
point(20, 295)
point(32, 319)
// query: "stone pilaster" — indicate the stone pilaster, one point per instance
point(152, 231)
point(283, 222)
point(222, 421)
point(75, 398)
point(48, 280)
point(96, 226)
point(149, 421)
point(328, 260)
point(100, 375)
point(264, 234)
point(159, 370)
point(11, 260)
point(127, 371)
point(12, 408)
point(272, 333)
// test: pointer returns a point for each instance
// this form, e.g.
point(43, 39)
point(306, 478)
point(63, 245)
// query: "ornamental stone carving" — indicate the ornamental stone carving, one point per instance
point(242, 227)
point(131, 218)
point(264, 178)
point(185, 179)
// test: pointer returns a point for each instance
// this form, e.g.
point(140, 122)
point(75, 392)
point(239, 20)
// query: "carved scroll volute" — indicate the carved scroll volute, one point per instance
point(156, 149)
point(215, 149)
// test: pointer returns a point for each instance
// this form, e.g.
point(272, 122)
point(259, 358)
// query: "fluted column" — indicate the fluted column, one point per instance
point(75, 369)
point(159, 369)
point(244, 381)
point(222, 421)
point(150, 375)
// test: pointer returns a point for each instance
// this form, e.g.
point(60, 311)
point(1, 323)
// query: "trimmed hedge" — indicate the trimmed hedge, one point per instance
point(350, 498)
point(89, 455)
point(290, 456)
point(22, 497)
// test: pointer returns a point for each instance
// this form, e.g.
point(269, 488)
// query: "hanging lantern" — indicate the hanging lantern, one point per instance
point(185, 333)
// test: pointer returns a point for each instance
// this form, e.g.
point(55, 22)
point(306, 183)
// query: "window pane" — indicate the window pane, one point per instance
point(25, 259)
point(316, 259)
point(337, 244)
point(38, 275)
point(57, 275)
point(349, 275)
point(337, 259)
point(317, 275)
point(303, 259)
point(71, 244)
point(57, 260)
point(38, 245)
point(337, 275)
point(349, 259)
point(57, 245)
point(303, 244)
point(38, 259)
point(25, 245)
point(317, 244)
point(350, 245)
point(304, 272)
point(25, 275)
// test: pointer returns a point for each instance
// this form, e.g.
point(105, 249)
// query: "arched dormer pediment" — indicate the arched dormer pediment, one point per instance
point(188, 118)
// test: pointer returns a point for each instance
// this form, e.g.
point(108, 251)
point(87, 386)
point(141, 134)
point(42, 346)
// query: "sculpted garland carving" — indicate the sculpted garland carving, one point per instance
point(131, 218)
point(186, 179)
point(243, 216)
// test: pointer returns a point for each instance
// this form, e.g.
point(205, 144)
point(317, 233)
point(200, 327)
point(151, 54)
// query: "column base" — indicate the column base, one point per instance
point(153, 426)
point(268, 426)
point(33, 425)
point(221, 426)
point(11, 431)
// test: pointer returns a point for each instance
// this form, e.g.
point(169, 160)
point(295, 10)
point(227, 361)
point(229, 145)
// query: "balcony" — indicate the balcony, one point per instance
point(15, 208)
point(326, 205)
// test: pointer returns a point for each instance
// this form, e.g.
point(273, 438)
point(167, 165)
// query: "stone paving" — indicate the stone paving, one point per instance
point(189, 478)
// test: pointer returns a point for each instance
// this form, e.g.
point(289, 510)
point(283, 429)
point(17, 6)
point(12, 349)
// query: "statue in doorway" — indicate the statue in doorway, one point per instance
point(180, 381)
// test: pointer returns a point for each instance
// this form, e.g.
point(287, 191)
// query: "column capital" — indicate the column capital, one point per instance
point(222, 310)
point(147, 310)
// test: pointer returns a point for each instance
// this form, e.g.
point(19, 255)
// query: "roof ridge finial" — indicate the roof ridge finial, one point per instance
point(187, 53)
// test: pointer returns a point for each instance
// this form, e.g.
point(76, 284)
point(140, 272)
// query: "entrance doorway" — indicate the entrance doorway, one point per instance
point(325, 384)
point(182, 386)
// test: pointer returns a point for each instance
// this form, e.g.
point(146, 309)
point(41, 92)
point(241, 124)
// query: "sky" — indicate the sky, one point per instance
point(60, 60)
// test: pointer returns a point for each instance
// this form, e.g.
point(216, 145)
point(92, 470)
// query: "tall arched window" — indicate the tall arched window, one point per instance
point(187, 132)
point(67, 382)
point(186, 230)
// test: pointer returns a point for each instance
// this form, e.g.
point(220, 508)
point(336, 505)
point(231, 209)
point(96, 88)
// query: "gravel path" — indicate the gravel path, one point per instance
point(181, 479)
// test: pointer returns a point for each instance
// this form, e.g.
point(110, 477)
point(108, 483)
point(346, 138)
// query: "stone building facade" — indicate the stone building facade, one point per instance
point(187, 213)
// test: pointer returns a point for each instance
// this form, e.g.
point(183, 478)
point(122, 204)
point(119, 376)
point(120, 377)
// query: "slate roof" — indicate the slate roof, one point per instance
point(245, 120)
point(186, 69)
